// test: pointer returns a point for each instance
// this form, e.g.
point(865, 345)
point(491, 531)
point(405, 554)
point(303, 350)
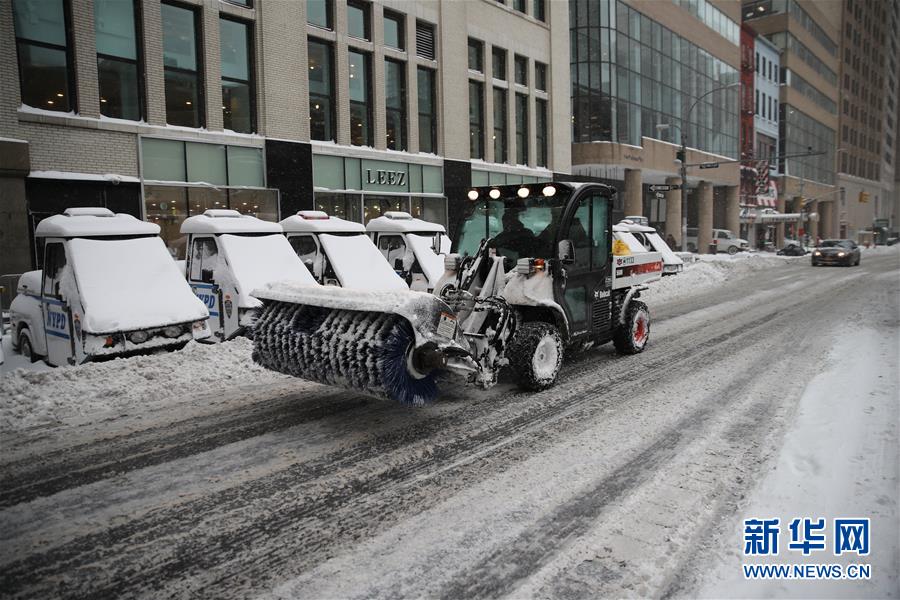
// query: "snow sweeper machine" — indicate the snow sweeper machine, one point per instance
point(532, 277)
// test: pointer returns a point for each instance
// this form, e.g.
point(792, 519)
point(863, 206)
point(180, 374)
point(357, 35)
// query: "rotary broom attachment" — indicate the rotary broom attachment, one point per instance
point(305, 332)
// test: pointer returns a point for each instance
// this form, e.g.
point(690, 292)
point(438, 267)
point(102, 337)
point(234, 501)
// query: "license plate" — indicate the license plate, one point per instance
point(447, 325)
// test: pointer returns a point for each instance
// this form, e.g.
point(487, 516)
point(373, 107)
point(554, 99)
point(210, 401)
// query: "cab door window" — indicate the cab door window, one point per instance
point(306, 248)
point(599, 232)
point(394, 248)
point(54, 262)
point(578, 235)
point(204, 256)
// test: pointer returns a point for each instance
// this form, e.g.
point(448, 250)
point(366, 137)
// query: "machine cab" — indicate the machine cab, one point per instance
point(412, 247)
point(559, 236)
point(230, 255)
point(338, 252)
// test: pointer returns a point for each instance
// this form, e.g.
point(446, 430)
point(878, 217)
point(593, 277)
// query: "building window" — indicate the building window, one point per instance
point(498, 63)
point(184, 91)
point(540, 126)
point(476, 119)
point(321, 91)
point(519, 5)
point(320, 13)
point(757, 62)
point(238, 95)
point(521, 129)
point(358, 21)
point(521, 70)
point(118, 68)
point(46, 76)
point(476, 55)
point(540, 76)
point(540, 12)
point(394, 31)
point(425, 40)
point(395, 104)
point(500, 116)
point(427, 113)
point(360, 99)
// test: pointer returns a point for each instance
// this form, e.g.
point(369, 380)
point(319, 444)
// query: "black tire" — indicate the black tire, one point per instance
point(732, 250)
point(632, 336)
point(25, 347)
point(535, 355)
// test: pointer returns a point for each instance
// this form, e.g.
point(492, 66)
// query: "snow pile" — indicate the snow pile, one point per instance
point(358, 264)
point(256, 261)
point(131, 284)
point(709, 272)
point(29, 398)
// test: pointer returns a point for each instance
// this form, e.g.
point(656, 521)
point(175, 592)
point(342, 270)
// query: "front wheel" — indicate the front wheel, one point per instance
point(631, 336)
point(25, 348)
point(535, 355)
point(732, 250)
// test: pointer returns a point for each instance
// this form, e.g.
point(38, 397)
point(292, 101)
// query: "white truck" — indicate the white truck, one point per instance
point(229, 255)
point(339, 253)
point(108, 287)
point(651, 241)
point(413, 247)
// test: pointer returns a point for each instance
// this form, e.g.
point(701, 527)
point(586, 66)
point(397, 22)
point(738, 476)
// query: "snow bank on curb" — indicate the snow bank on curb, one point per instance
point(29, 398)
point(712, 271)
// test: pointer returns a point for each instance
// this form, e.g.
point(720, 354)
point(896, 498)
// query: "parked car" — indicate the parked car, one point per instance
point(793, 248)
point(836, 252)
point(724, 239)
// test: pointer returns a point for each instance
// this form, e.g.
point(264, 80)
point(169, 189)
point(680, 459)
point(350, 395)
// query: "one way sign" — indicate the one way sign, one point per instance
point(664, 188)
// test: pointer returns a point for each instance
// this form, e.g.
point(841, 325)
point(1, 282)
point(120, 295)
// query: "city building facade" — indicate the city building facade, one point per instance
point(805, 33)
point(644, 75)
point(868, 101)
point(165, 109)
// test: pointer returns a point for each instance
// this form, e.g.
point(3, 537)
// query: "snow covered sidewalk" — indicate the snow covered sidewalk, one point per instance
point(139, 383)
point(840, 459)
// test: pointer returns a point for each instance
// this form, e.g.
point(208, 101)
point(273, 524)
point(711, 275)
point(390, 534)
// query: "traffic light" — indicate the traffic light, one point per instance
point(864, 196)
point(679, 155)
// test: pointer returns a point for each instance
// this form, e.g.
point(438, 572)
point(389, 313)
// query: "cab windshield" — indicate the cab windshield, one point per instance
point(518, 227)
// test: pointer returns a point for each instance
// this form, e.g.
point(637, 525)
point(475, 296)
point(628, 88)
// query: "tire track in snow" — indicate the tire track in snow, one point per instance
point(89, 551)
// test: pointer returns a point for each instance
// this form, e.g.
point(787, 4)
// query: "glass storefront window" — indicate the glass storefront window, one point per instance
point(344, 206)
point(167, 207)
point(163, 160)
point(433, 210)
point(375, 206)
point(206, 162)
point(245, 166)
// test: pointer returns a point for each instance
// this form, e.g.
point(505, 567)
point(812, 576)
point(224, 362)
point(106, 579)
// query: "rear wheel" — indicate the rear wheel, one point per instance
point(631, 336)
point(535, 355)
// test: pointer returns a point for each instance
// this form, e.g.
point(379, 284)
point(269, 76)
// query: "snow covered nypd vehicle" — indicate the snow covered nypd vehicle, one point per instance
point(650, 241)
point(533, 278)
point(413, 247)
point(229, 255)
point(108, 287)
point(339, 253)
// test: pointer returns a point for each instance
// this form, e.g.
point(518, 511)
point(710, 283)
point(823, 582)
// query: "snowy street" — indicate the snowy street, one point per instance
point(769, 388)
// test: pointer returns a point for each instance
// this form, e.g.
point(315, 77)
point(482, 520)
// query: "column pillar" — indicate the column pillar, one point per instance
point(634, 203)
point(704, 216)
point(673, 211)
point(779, 227)
point(813, 226)
point(733, 209)
point(826, 220)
